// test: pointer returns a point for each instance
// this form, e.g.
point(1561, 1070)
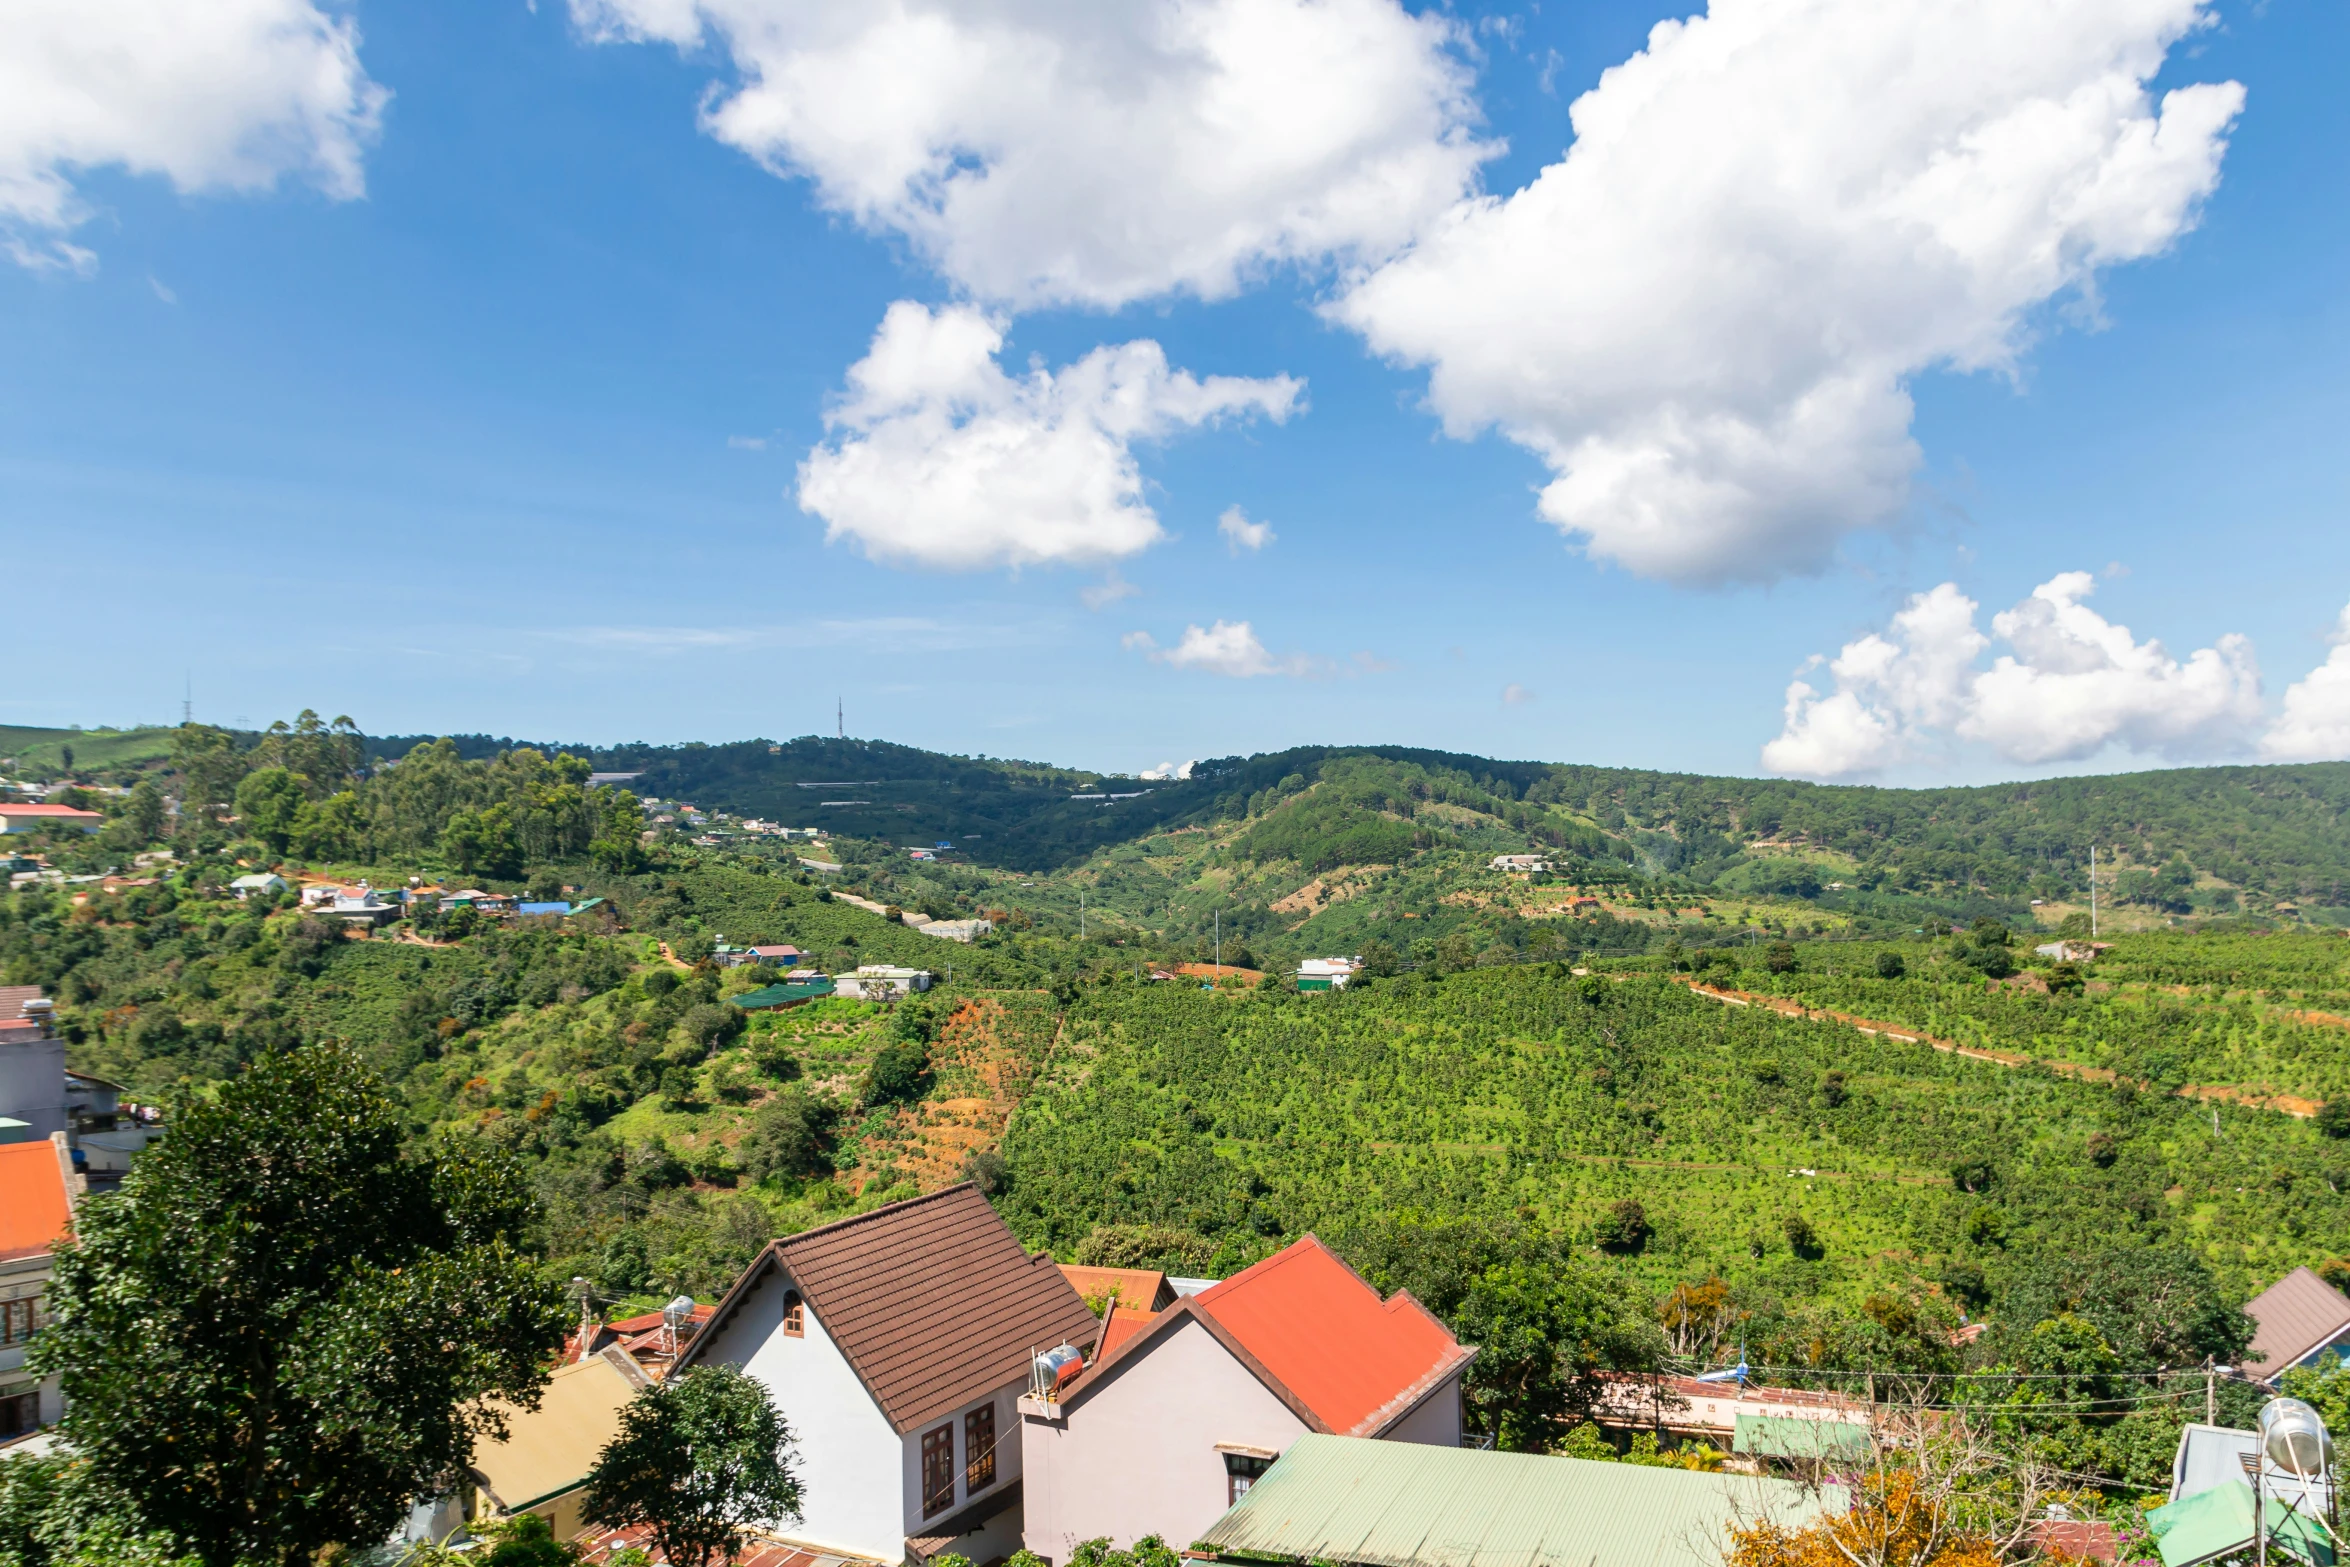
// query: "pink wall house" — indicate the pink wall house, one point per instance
point(1176, 1417)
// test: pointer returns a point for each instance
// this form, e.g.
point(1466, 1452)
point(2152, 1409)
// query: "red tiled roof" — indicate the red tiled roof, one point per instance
point(53, 812)
point(35, 1212)
point(1125, 1322)
point(1350, 1357)
point(1144, 1287)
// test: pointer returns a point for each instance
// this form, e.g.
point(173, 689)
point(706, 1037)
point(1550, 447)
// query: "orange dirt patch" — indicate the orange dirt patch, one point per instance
point(1308, 899)
point(987, 1075)
point(2321, 1019)
point(1209, 971)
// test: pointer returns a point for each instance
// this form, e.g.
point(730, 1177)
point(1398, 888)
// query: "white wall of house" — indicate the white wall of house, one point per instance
point(1436, 1422)
point(849, 1454)
point(32, 1084)
point(1139, 1455)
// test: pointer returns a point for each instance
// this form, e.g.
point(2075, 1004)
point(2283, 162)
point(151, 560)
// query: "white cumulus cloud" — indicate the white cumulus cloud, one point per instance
point(2072, 684)
point(1242, 534)
point(1042, 151)
point(218, 95)
point(2315, 723)
point(938, 458)
point(1704, 317)
point(1229, 647)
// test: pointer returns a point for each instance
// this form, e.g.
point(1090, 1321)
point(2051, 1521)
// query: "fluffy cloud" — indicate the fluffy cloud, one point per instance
point(1703, 318)
point(1229, 647)
point(938, 458)
point(1038, 151)
point(222, 95)
point(2074, 684)
point(1242, 534)
point(2315, 725)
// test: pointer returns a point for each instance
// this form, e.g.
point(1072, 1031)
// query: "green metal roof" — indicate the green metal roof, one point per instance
point(1790, 1436)
point(1401, 1504)
point(2218, 1522)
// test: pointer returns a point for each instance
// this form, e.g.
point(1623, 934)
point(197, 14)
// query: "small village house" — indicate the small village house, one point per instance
point(2298, 1319)
point(897, 1344)
point(32, 1066)
point(882, 982)
point(543, 1463)
point(1757, 1424)
point(38, 1190)
point(1327, 973)
point(255, 883)
point(32, 818)
point(1518, 864)
point(1178, 1413)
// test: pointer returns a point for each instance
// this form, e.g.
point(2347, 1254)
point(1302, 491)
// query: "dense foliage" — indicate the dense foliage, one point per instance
point(285, 1326)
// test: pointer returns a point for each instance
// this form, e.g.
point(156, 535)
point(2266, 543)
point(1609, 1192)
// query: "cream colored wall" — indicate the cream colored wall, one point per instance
point(1436, 1423)
point(1138, 1455)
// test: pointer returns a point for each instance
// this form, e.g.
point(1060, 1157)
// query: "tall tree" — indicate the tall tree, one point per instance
point(697, 1462)
point(286, 1325)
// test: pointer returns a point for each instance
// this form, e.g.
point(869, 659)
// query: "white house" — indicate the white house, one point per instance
point(1326, 973)
point(1518, 864)
point(256, 882)
point(897, 1344)
point(881, 982)
point(1183, 1408)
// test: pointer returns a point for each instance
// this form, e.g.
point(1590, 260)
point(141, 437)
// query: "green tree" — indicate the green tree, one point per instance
point(209, 767)
point(1545, 1332)
point(1891, 965)
point(697, 1462)
point(900, 1072)
point(789, 1136)
point(268, 803)
point(284, 1327)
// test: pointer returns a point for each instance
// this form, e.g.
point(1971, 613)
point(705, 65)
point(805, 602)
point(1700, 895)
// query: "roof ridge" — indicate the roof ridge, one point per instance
point(899, 1206)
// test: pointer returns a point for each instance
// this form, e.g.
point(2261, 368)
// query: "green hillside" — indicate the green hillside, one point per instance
point(42, 753)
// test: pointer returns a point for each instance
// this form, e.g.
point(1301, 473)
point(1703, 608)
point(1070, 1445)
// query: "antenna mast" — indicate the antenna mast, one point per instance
point(188, 700)
point(840, 716)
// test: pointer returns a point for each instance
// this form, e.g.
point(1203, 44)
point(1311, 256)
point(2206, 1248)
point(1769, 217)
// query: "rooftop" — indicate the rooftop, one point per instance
point(1314, 1323)
point(2295, 1315)
point(550, 1450)
point(35, 1212)
point(933, 1301)
point(1405, 1504)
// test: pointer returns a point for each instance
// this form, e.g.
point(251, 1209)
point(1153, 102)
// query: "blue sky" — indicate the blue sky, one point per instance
point(484, 407)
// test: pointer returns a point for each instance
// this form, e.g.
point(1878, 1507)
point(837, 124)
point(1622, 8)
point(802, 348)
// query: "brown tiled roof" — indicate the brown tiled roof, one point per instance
point(932, 1300)
point(2295, 1315)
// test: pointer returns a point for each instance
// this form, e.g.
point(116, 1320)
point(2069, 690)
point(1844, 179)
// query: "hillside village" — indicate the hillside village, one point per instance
point(1056, 1228)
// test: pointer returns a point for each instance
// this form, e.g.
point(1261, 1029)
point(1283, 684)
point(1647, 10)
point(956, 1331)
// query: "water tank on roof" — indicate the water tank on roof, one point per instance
point(2295, 1438)
point(1054, 1370)
point(678, 1311)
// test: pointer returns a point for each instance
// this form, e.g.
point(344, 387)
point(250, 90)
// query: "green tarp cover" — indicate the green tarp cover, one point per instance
point(1788, 1436)
point(781, 995)
point(2218, 1522)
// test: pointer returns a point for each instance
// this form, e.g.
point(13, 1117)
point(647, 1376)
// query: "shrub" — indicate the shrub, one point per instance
point(1891, 965)
point(1623, 1228)
point(2333, 1118)
point(1779, 958)
point(899, 1074)
point(1802, 1239)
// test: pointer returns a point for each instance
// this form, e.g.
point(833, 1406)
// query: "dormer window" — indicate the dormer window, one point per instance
point(795, 1315)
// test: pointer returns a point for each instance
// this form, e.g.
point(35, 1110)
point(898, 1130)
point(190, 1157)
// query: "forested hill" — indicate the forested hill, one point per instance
point(2276, 837)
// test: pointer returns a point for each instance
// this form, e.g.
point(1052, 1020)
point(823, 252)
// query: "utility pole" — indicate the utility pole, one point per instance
point(2210, 1393)
point(2092, 892)
point(1219, 943)
point(1081, 914)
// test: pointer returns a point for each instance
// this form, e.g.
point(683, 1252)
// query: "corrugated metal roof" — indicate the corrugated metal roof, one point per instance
point(1400, 1504)
point(2218, 1522)
point(549, 1450)
point(1792, 1436)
